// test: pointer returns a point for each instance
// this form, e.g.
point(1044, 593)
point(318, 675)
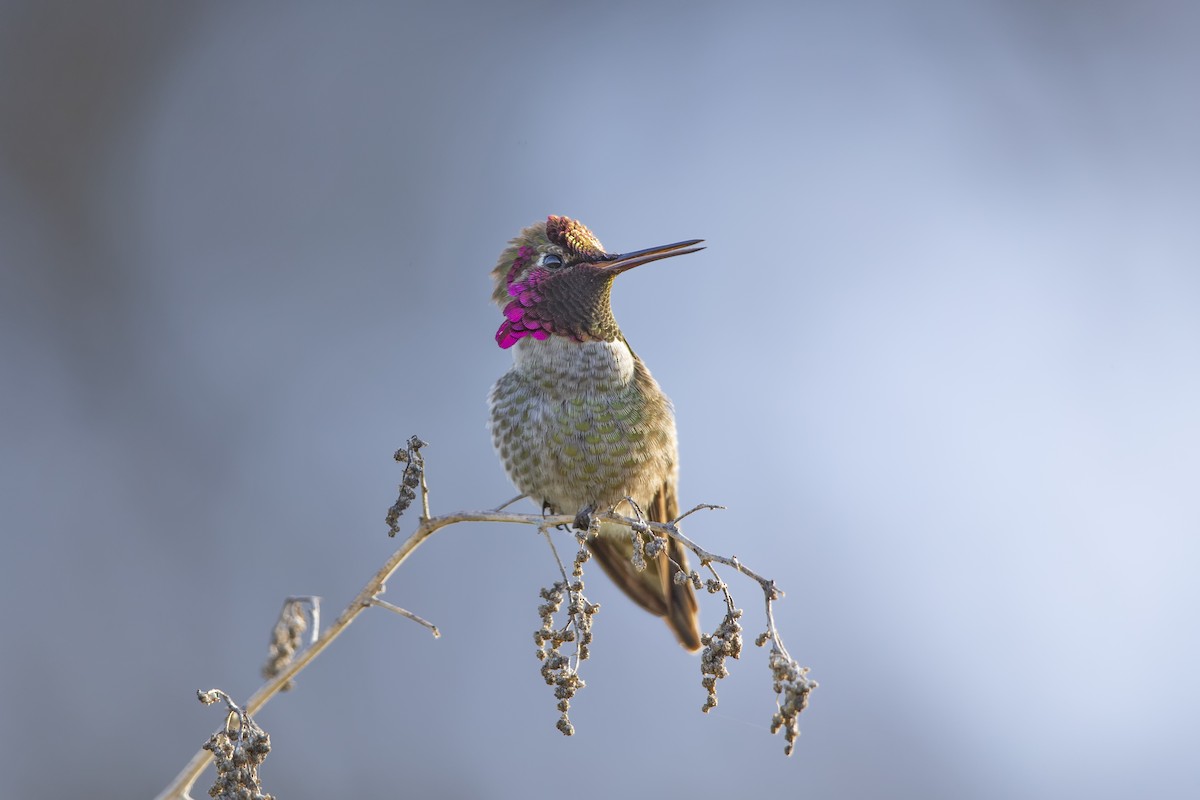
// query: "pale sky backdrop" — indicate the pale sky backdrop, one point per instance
point(941, 360)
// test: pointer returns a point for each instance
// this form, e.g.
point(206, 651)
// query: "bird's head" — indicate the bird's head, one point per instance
point(554, 279)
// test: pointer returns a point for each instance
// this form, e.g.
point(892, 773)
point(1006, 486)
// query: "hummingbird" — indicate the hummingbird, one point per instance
point(578, 422)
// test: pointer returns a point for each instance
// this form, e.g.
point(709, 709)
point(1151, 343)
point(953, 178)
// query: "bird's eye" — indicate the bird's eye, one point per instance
point(552, 261)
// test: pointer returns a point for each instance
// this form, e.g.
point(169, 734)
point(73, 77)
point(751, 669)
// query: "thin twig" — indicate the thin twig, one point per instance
point(505, 505)
point(701, 507)
point(375, 601)
point(545, 531)
point(415, 443)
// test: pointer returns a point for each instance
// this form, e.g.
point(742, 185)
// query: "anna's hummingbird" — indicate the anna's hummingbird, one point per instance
point(578, 421)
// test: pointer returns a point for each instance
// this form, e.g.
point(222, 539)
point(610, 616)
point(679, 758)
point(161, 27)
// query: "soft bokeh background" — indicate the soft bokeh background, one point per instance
point(941, 359)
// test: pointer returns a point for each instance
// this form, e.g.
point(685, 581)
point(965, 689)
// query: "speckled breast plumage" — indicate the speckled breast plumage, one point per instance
point(583, 423)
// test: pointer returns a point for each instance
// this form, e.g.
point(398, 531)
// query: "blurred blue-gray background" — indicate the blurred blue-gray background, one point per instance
point(941, 360)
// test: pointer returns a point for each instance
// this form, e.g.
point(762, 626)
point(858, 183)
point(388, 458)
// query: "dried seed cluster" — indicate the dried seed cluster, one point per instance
point(286, 639)
point(413, 472)
point(688, 577)
point(656, 546)
point(639, 547)
point(725, 642)
point(238, 749)
point(558, 669)
point(793, 686)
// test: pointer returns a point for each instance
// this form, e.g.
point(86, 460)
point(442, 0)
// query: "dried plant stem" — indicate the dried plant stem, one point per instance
point(408, 615)
point(370, 596)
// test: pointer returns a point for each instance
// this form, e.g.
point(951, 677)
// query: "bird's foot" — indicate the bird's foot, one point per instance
point(548, 510)
point(584, 519)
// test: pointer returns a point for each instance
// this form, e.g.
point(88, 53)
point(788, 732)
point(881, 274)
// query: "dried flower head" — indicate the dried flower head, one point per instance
point(414, 473)
point(725, 642)
point(238, 749)
point(558, 669)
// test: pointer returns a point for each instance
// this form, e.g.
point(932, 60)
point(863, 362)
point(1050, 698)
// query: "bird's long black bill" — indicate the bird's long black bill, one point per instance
point(626, 261)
